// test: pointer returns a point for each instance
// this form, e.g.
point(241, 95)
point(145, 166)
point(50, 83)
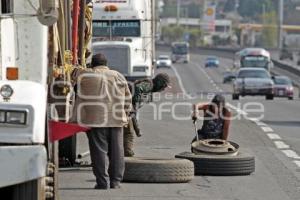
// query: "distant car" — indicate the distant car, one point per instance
point(228, 77)
point(212, 62)
point(283, 87)
point(164, 61)
point(253, 81)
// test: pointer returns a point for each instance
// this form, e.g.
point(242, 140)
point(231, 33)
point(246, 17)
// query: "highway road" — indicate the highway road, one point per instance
point(274, 140)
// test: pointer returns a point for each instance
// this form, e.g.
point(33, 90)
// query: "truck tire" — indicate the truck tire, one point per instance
point(67, 150)
point(220, 165)
point(52, 173)
point(33, 190)
point(147, 170)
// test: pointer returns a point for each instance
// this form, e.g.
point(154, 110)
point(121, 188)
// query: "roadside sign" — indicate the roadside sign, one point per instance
point(186, 37)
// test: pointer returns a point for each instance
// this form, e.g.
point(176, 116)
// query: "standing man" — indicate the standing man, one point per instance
point(140, 89)
point(104, 101)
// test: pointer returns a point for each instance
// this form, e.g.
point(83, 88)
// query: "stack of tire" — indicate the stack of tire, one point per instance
point(220, 163)
point(241, 164)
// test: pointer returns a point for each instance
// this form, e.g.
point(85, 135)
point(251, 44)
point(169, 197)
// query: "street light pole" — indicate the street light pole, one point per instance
point(178, 11)
point(280, 22)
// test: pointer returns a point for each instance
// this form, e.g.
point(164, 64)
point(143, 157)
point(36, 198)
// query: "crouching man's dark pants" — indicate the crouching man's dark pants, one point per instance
point(107, 155)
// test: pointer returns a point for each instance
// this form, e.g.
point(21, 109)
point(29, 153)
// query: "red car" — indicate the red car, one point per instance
point(283, 87)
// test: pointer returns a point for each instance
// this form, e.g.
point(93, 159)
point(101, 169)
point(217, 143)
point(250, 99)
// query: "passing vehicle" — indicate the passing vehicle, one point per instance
point(212, 61)
point(228, 76)
point(124, 31)
point(253, 81)
point(163, 61)
point(253, 57)
point(283, 87)
point(180, 52)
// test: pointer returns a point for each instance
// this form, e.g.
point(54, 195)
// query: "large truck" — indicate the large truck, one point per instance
point(253, 57)
point(180, 52)
point(38, 50)
point(124, 32)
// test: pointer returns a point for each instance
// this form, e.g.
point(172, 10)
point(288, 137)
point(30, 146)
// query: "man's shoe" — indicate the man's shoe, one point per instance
point(99, 187)
point(129, 153)
point(115, 186)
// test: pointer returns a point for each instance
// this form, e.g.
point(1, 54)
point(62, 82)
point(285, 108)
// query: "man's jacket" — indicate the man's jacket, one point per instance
point(103, 98)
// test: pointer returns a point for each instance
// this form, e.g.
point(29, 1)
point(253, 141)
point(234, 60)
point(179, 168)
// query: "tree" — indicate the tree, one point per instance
point(253, 8)
point(195, 37)
point(172, 33)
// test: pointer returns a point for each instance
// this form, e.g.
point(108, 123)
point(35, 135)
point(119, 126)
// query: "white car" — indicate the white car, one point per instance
point(164, 61)
point(253, 81)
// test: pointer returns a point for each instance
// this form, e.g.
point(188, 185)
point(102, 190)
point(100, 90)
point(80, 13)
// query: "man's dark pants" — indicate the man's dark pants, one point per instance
point(107, 155)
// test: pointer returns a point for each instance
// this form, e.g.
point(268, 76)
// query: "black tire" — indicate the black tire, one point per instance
point(67, 150)
point(290, 98)
point(269, 97)
point(221, 165)
point(33, 190)
point(52, 172)
point(235, 97)
point(147, 170)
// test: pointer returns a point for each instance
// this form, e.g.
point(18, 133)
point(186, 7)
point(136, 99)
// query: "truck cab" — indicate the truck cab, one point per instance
point(30, 56)
point(23, 94)
point(254, 58)
point(124, 32)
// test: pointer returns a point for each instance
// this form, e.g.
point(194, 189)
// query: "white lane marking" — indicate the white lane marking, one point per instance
point(267, 129)
point(297, 162)
point(254, 119)
point(281, 145)
point(259, 123)
point(274, 136)
point(236, 109)
point(180, 83)
point(291, 154)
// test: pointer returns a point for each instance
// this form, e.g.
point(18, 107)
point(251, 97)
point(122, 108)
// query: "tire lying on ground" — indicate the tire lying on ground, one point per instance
point(220, 165)
point(153, 170)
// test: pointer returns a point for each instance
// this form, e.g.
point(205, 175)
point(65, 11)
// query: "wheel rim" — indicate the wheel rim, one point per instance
point(215, 146)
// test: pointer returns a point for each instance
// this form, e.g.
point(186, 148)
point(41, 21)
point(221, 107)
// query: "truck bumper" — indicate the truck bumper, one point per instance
point(22, 163)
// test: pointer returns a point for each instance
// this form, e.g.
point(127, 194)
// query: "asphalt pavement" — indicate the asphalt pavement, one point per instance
point(274, 140)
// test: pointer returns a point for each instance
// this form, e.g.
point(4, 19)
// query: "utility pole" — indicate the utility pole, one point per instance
point(178, 11)
point(264, 12)
point(236, 6)
point(280, 22)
